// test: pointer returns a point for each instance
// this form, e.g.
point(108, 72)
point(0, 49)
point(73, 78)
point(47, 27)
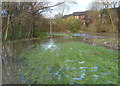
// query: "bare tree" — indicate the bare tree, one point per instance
point(95, 5)
point(21, 17)
point(101, 11)
point(63, 9)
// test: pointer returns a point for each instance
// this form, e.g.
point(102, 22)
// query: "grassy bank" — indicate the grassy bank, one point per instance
point(72, 62)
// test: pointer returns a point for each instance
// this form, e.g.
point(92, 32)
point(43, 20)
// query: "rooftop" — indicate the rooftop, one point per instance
point(75, 14)
point(78, 13)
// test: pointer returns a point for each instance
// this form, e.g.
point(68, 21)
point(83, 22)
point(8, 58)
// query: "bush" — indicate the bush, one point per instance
point(65, 25)
point(75, 25)
point(99, 26)
point(39, 34)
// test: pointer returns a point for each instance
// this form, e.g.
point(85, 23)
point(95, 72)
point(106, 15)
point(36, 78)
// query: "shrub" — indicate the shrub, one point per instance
point(75, 25)
point(99, 26)
point(39, 34)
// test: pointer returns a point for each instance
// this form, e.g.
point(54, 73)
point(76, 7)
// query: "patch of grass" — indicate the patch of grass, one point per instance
point(72, 62)
point(56, 34)
point(39, 34)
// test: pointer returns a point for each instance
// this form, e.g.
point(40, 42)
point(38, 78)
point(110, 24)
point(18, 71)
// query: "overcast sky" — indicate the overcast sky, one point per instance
point(81, 5)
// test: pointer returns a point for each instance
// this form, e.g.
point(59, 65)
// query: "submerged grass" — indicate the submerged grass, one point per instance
point(70, 63)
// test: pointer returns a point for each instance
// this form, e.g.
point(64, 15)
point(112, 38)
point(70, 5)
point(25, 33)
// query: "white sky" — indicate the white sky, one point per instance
point(82, 5)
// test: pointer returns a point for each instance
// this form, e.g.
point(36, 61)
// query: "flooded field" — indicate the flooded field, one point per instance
point(10, 62)
point(61, 60)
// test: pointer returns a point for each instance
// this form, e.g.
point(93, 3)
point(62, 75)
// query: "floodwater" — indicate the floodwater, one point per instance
point(10, 65)
point(11, 50)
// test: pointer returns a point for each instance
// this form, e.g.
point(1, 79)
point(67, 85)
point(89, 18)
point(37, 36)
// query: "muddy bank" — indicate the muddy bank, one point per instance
point(111, 43)
point(100, 39)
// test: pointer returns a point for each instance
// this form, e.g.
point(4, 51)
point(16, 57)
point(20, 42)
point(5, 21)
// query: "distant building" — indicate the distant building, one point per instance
point(79, 15)
point(76, 15)
point(87, 16)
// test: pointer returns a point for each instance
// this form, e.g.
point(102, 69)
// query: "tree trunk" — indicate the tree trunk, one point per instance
point(20, 31)
point(6, 32)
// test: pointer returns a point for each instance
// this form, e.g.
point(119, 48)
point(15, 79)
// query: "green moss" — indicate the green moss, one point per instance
point(72, 62)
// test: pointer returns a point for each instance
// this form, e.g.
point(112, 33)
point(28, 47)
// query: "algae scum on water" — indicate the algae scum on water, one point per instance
point(69, 63)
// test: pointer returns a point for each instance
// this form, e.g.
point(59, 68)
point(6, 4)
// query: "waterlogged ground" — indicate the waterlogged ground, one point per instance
point(69, 63)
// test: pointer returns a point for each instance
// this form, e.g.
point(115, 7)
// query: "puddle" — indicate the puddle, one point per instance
point(59, 76)
point(60, 69)
point(69, 61)
point(74, 68)
point(67, 75)
point(83, 75)
point(77, 34)
point(104, 73)
point(40, 67)
point(81, 62)
point(95, 68)
point(83, 67)
point(77, 78)
point(47, 78)
point(71, 83)
point(95, 79)
point(89, 36)
point(96, 75)
point(48, 69)
point(8, 73)
point(49, 45)
point(56, 73)
point(100, 37)
point(110, 81)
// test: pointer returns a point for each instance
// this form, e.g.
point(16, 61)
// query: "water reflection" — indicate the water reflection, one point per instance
point(95, 68)
point(81, 62)
point(49, 45)
point(95, 35)
point(10, 65)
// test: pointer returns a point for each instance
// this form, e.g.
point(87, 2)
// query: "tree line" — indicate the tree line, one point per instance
point(101, 16)
point(24, 19)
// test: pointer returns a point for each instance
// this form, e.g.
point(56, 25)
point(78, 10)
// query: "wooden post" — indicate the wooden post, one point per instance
point(50, 26)
point(119, 19)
